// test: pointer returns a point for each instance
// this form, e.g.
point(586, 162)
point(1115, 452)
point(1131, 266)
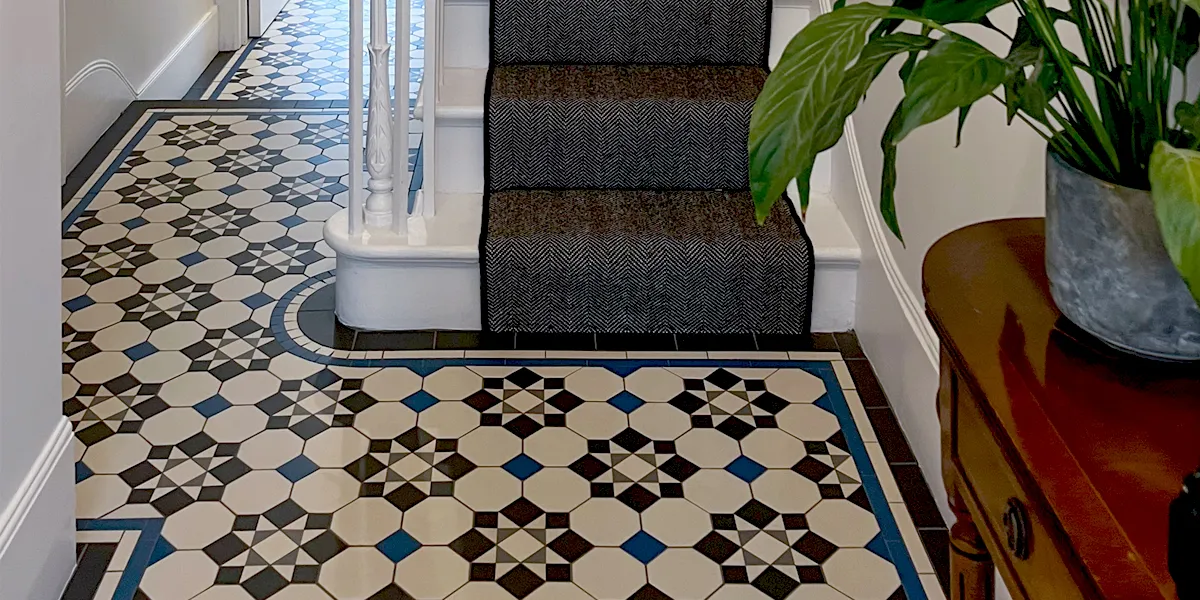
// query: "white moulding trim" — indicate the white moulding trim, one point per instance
point(103, 64)
point(31, 487)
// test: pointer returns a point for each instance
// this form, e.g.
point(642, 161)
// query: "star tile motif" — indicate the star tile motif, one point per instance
point(409, 468)
point(731, 404)
point(523, 402)
point(172, 477)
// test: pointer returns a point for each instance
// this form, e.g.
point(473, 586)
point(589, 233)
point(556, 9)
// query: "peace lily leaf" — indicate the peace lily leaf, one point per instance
point(962, 120)
point(1175, 188)
point(1188, 117)
point(796, 97)
point(828, 130)
point(942, 11)
point(955, 73)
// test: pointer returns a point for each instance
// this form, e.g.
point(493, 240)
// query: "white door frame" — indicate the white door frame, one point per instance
point(233, 28)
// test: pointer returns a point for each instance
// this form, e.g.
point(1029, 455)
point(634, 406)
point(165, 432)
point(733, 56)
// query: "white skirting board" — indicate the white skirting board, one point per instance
point(37, 528)
point(95, 96)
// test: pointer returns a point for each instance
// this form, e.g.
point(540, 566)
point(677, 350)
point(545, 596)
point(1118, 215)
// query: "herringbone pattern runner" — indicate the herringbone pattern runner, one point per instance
point(616, 172)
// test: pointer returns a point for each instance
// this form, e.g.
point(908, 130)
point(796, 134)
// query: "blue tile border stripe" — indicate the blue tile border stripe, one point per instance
point(143, 551)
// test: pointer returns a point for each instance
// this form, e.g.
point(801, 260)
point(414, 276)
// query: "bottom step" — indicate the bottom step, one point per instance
point(388, 284)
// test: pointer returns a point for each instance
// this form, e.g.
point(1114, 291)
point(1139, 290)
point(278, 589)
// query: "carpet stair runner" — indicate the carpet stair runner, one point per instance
point(615, 157)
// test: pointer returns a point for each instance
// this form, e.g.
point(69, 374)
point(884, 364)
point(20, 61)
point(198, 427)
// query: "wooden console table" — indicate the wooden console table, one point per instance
point(1060, 456)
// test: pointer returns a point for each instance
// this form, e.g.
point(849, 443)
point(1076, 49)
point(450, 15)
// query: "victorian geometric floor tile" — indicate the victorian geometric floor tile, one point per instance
point(235, 443)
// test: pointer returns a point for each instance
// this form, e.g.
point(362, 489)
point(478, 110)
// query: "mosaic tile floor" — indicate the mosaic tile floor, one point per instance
point(230, 448)
point(304, 55)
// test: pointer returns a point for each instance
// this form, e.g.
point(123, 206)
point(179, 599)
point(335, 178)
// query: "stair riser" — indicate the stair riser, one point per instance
point(723, 32)
point(644, 144)
point(465, 45)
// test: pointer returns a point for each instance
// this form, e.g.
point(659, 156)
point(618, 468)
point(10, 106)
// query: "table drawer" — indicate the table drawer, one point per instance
point(1030, 551)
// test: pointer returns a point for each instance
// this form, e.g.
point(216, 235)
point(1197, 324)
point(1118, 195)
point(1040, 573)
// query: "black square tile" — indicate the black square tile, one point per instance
point(522, 512)
point(866, 384)
point(937, 545)
point(716, 342)
point(848, 345)
point(284, 513)
point(324, 547)
point(636, 342)
point(631, 440)
point(815, 547)
point(471, 545)
point(637, 497)
point(323, 328)
point(813, 342)
point(716, 547)
point(775, 584)
point(455, 466)
point(483, 572)
point(555, 341)
point(474, 340)
point(649, 592)
point(571, 546)
point(917, 496)
point(520, 581)
point(394, 340)
point(758, 514)
point(265, 583)
point(890, 435)
point(735, 428)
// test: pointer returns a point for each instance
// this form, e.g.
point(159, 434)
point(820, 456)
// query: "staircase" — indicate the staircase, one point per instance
point(539, 197)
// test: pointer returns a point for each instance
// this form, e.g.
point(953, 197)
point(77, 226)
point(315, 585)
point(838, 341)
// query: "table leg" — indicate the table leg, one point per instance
point(972, 576)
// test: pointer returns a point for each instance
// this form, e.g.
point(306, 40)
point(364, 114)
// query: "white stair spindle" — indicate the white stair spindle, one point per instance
point(426, 198)
point(379, 124)
point(355, 205)
point(401, 116)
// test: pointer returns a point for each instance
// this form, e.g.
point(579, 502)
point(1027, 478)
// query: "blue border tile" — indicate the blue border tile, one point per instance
point(143, 552)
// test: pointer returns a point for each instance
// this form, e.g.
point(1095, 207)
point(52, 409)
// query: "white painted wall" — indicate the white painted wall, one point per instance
point(997, 172)
point(117, 51)
point(36, 499)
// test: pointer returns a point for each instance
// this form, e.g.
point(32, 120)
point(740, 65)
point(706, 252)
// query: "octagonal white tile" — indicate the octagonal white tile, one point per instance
point(595, 384)
point(493, 446)
point(684, 573)
point(177, 335)
point(270, 449)
point(452, 383)
point(557, 489)
point(609, 573)
point(172, 426)
point(325, 490)
point(336, 447)
point(198, 525)
point(250, 387)
point(256, 492)
point(437, 520)
point(116, 453)
point(395, 383)
point(707, 448)
point(182, 574)
point(808, 422)
point(385, 420)
point(236, 424)
point(861, 574)
point(98, 495)
point(597, 420)
point(554, 446)
point(446, 420)
point(796, 385)
point(717, 491)
point(842, 522)
point(773, 448)
point(785, 491)
point(356, 573)
point(676, 522)
point(160, 367)
point(366, 521)
point(605, 521)
point(432, 573)
point(487, 489)
point(660, 421)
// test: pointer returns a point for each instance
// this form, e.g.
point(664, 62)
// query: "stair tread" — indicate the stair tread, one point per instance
point(628, 82)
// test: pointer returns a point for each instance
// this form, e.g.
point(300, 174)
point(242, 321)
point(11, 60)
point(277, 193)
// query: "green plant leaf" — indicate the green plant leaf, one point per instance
point(956, 73)
point(962, 120)
point(1175, 188)
point(943, 12)
point(796, 98)
point(1026, 46)
point(1187, 115)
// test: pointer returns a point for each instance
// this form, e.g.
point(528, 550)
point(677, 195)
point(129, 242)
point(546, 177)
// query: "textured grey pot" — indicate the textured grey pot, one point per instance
point(1109, 271)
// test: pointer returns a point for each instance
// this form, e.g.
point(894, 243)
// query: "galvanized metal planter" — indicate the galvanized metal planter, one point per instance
point(1109, 271)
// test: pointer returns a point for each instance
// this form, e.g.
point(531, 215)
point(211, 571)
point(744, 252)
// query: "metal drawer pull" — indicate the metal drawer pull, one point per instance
point(1016, 529)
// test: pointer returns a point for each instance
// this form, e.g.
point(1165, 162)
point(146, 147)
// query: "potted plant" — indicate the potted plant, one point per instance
point(1122, 134)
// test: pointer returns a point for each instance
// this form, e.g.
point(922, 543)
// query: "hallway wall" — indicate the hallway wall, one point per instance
point(36, 497)
point(117, 51)
point(996, 173)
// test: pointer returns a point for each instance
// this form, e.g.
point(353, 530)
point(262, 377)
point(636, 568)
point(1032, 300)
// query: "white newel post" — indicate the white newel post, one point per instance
point(379, 124)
